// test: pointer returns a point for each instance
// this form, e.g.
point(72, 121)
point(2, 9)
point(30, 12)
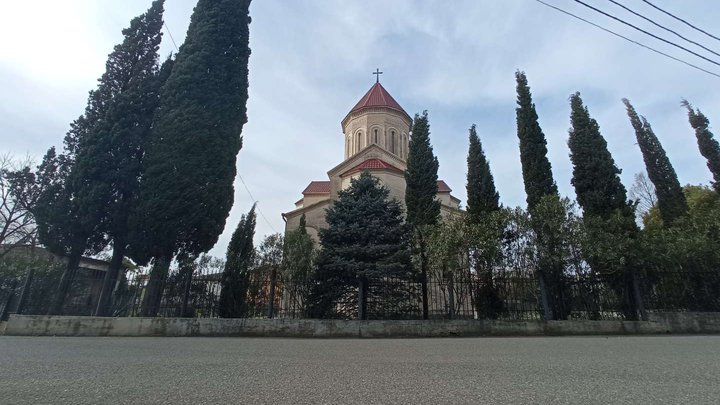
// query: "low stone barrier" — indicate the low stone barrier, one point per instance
point(35, 325)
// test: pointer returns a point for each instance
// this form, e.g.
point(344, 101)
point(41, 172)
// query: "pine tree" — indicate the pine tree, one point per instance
point(421, 188)
point(608, 215)
point(190, 163)
point(671, 200)
point(238, 263)
point(708, 145)
point(482, 197)
point(536, 168)
point(366, 240)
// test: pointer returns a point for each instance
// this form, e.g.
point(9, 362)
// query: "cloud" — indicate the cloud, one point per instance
point(312, 60)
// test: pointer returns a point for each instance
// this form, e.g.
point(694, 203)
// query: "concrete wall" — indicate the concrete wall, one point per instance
point(28, 325)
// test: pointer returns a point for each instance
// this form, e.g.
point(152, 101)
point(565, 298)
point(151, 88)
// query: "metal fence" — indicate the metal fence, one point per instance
point(502, 295)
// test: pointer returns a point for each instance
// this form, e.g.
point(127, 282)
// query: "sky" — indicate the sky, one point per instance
point(313, 60)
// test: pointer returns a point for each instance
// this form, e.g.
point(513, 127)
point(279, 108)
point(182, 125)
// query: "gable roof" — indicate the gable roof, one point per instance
point(372, 164)
point(317, 187)
point(443, 187)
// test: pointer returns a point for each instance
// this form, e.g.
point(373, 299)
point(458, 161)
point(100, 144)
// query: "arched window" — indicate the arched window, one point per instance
point(393, 141)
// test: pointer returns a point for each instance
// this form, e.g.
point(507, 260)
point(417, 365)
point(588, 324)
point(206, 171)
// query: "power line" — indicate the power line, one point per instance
point(646, 32)
point(170, 34)
point(256, 201)
point(628, 39)
point(680, 19)
point(663, 27)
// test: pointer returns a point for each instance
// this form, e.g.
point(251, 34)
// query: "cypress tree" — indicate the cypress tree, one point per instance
point(420, 191)
point(366, 240)
point(190, 163)
point(671, 200)
point(540, 186)
point(607, 212)
point(708, 145)
point(482, 197)
point(238, 263)
point(421, 176)
point(77, 209)
point(108, 163)
point(536, 168)
point(596, 178)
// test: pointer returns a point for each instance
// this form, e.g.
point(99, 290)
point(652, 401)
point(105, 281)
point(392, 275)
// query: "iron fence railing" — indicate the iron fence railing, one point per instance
point(500, 295)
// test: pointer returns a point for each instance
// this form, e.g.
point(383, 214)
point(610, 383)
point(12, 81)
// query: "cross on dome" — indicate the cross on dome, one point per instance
point(377, 73)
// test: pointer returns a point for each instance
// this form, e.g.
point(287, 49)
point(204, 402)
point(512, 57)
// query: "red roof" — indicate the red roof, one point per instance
point(372, 164)
point(317, 187)
point(443, 187)
point(377, 96)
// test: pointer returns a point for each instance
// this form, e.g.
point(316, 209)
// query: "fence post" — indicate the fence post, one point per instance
point(6, 305)
point(271, 295)
point(547, 312)
point(638, 297)
point(451, 296)
point(25, 291)
point(361, 299)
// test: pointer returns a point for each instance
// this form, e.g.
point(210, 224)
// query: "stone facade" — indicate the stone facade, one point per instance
point(377, 136)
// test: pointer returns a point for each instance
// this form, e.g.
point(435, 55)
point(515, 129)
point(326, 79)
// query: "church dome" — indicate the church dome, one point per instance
point(377, 96)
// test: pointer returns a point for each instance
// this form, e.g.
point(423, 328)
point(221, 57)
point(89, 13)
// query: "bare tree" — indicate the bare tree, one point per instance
point(17, 224)
point(643, 192)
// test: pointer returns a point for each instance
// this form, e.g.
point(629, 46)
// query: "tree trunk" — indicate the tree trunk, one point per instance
point(271, 295)
point(547, 312)
point(638, 297)
point(362, 298)
point(156, 283)
point(451, 296)
point(187, 285)
point(66, 281)
point(110, 280)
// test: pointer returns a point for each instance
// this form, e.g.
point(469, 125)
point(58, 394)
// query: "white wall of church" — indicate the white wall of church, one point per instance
point(382, 126)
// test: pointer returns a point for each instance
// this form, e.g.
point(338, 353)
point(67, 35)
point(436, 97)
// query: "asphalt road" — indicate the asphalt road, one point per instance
point(677, 370)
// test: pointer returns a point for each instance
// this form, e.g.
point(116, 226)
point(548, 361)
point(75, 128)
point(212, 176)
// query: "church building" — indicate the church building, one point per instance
point(377, 136)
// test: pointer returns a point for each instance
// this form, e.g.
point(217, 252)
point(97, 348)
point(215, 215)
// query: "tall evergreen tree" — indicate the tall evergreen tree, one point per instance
point(190, 163)
point(708, 145)
point(482, 197)
point(79, 208)
point(608, 215)
point(366, 240)
point(421, 176)
point(108, 163)
point(671, 200)
point(540, 189)
point(423, 209)
point(298, 263)
point(536, 168)
point(596, 178)
point(238, 263)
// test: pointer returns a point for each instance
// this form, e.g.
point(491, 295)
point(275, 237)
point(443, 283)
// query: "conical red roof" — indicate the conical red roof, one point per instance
point(377, 96)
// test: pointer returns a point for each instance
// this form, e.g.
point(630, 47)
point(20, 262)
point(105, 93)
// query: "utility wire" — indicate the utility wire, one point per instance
point(255, 201)
point(241, 179)
point(646, 32)
point(680, 19)
point(170, 34)
point(628, 39)
point(663, 27)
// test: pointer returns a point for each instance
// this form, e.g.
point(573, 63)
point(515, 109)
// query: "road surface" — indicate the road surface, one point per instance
point(578, 370)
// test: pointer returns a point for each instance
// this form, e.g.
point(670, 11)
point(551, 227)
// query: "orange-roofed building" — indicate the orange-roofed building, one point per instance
point(377, 135)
